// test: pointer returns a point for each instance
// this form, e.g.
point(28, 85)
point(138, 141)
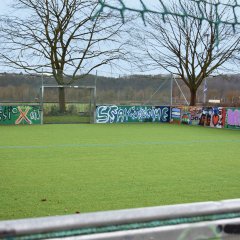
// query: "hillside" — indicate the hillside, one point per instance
point(138, 89)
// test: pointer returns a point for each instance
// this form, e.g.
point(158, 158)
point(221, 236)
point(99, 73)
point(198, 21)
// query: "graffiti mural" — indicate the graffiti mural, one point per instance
point(218, 116)
point(191, 115)
point(120, 114)
point(195, 115)
point(175, 115)
point(20, 115)
point(233, 118)
point(213, 117)
point(205, 118)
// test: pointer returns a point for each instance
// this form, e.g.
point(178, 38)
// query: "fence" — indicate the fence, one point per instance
point(114, 89)
point(125, 89)
point(207, 220)
point(217, 117)
point(115, 114)
point(20, 114)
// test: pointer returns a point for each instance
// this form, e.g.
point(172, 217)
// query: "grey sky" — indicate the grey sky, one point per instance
point(136, 4)
point(103, 70)
point(3, 6)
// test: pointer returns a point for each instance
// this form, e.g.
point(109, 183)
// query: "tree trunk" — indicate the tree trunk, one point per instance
point(193, 97)
point(62, 105)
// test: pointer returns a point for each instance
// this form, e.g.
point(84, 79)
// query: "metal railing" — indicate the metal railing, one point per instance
point(195, 221)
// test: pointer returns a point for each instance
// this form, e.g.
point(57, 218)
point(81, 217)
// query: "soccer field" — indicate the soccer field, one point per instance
point(66, 169)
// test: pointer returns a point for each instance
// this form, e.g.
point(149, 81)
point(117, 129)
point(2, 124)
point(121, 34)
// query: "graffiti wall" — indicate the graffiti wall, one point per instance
point(233, 118)
point(120, 114)
point(203, 116)
point(20, 115)
point(191, 115)
point(216, 117)
point(176, 115)
point(213, 117)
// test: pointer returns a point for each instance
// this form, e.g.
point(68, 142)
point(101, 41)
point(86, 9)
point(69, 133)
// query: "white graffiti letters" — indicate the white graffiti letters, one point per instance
point(110, 114)
point(105, 114)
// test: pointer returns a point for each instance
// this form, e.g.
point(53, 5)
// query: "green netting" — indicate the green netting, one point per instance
point(163, 8)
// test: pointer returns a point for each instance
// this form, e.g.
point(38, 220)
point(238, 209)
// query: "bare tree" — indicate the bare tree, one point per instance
point(186, 47)
point(60, 37)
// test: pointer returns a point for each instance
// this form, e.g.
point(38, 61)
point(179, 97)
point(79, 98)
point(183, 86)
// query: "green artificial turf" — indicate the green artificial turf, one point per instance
point(64, 169)
point(66, 119)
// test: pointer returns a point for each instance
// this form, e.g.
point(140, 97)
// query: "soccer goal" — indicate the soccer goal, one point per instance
point(68, 104)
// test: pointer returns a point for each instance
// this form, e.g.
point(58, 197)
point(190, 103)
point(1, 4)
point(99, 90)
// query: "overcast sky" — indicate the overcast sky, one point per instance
point(3, 6)
point(104, 70)
point(129, 3)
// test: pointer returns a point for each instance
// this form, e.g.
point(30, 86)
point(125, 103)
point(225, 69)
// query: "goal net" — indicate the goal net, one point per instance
point(68, 104)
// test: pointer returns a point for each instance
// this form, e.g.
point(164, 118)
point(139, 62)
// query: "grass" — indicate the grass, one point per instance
point(66, 119)
point(63, 169)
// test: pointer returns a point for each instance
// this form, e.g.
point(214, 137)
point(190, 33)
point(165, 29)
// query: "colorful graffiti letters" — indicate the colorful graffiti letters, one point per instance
point(203, 116)
point(20, 115)
point(191, 115)
point(120, 114)
point(213, 117)
point(216, 117)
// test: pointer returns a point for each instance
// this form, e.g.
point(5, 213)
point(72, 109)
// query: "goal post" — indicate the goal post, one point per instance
point(79, 104)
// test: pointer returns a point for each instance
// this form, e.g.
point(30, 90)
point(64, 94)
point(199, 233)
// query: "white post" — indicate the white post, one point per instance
point(171, 89)
point(42, 95)
point(181, 90)
point(205, 91)
point(95, 99)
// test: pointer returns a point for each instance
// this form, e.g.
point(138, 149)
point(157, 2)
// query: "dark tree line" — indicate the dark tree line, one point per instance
point(67, 39)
